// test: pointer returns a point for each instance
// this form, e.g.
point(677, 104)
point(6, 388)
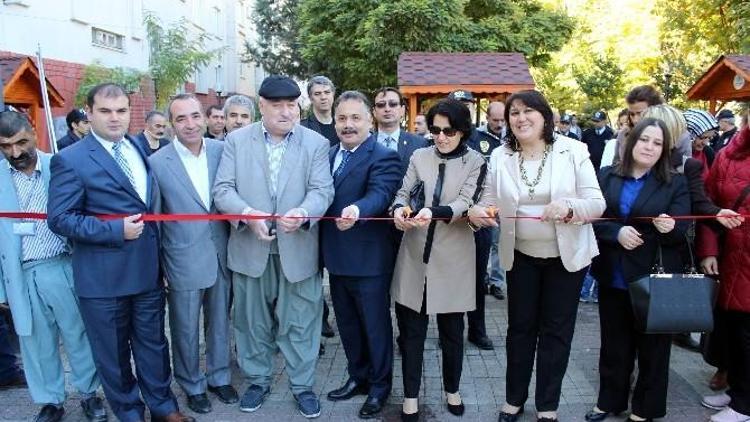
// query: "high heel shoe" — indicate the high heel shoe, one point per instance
point(456, 409)
point(409, 417)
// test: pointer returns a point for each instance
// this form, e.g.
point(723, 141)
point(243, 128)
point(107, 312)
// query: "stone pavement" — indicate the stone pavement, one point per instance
point(482, 383)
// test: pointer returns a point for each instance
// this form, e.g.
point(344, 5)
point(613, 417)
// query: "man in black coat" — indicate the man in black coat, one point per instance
point(78, 127)
point(596, 137)
point(727, 128)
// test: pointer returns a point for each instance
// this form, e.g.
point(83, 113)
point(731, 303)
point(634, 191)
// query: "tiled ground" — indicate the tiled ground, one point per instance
point(482, 385)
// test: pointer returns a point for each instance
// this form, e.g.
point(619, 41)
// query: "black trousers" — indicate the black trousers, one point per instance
point(483, 242)
point(414, 331)
point(738, 375)
point(622, 344)
point(362, 306)
point(542, 308)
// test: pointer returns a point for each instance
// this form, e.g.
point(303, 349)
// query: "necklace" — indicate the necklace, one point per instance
point(525, 178)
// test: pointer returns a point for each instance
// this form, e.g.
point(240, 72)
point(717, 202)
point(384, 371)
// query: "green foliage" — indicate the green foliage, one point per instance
point(601, 82)
point(277, 46)
point(95, 74)
point(174, 56)
point(694, 34)
point(357, 42)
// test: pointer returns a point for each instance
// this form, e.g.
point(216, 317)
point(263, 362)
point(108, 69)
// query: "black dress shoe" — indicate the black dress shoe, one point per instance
point(456, 409)
point(409, 417)
point(199, 403)
point(546, 419)
point(509, 417)
point(17, 381)
point(594, 416)
point(50, 413)
point(93, 408)
point(327, 330)
point(226, 393)
point(482, 342)
point(350, 389)
point(371, 408)
point(497, 293)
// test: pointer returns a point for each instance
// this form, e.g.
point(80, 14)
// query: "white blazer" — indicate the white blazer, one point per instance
point(573, 179)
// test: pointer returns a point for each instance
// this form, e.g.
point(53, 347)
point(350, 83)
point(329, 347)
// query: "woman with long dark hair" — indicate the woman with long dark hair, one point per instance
point(546, 190)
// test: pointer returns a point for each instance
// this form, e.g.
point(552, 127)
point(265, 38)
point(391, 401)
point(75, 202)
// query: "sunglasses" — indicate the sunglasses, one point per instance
point(448, 131)
point(391, 104)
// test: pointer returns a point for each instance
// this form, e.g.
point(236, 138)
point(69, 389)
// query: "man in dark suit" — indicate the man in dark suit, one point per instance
point(389, 111)
point(153, 138)
point(596, 137)
point(359, 256)
point(194, 255)
point(116, 261)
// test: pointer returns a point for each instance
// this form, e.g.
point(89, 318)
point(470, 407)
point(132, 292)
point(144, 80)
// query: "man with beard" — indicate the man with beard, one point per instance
point(37, 273)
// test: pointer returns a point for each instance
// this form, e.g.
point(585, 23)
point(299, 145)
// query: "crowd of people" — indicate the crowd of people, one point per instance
point(527, 206)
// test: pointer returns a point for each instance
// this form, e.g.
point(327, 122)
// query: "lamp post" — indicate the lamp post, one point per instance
point(218, 87)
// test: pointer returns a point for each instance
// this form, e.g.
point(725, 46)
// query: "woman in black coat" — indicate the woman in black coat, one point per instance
point(643, 184)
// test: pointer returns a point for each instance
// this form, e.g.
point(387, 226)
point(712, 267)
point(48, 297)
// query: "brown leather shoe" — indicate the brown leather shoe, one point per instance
point(174, 417)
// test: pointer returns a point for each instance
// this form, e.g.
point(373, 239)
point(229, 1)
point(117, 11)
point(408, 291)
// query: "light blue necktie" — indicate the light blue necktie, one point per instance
point(344, 159)
point(122, 162)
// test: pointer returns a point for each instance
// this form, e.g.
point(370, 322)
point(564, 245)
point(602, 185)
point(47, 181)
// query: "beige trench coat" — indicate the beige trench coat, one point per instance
point(451, 271)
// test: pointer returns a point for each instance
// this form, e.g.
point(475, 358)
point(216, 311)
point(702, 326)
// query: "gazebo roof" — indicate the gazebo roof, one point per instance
point(20, 74)
point(727, 79)
point(427, 72)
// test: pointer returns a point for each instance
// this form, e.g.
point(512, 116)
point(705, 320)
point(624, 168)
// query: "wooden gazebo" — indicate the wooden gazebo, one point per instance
point(22, 90)
point(494, 76)
point(728, 79)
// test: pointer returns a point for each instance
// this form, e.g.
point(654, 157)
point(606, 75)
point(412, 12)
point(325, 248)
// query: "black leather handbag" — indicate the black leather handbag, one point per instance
point(673, 303)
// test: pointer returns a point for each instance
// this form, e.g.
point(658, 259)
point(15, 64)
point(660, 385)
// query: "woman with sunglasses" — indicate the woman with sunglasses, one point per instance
point(546, 190)
point(435, 268)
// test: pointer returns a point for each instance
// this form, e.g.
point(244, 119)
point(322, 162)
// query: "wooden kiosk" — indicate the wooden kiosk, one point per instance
point(728, 79)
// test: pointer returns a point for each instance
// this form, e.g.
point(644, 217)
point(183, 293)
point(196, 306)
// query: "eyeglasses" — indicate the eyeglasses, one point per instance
point(391, 104)
point(448, 131)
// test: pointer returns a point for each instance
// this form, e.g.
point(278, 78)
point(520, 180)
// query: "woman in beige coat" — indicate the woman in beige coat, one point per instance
point(540, 174)
point(435, 268)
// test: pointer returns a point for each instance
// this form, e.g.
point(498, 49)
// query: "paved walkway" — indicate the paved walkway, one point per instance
point(482, 384)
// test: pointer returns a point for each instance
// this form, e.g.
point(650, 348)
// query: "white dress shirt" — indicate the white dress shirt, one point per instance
point(135, 162)
point(382, 136)
point(197, 168)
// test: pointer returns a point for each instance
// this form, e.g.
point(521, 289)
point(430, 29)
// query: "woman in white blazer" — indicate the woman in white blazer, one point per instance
point(545, 190)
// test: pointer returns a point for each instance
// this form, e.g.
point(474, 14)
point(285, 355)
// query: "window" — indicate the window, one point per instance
point(107, 39)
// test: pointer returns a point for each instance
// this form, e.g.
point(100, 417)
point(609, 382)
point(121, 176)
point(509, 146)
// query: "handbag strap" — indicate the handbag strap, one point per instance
point(741, 198)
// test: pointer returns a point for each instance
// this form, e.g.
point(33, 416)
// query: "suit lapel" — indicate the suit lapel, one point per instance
point(511, 168)
point(403, 148)
point(613, 192)
point(332, 156)
point(358, 156)
point(288, 161)
point(652, 185)
point(556, 156)
point(178, 169)
point(213, 155)
point(258, 152)
point(108, 163)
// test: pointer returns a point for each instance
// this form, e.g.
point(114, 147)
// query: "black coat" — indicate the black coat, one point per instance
point(655, 198)
point(596, 143)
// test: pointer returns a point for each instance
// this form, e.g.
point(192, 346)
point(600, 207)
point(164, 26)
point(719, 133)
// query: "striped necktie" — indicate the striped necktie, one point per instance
point(122, 162)
point(344, 159)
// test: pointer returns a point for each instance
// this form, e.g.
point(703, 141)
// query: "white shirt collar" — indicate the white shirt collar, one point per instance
point(105, 143)
point(341, 148)
point(183, 151)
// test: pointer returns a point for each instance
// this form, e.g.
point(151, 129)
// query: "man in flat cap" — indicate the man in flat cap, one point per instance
point(271, 168)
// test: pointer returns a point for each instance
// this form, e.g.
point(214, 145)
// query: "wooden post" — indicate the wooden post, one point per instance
point(712, 106)
point(412, 112)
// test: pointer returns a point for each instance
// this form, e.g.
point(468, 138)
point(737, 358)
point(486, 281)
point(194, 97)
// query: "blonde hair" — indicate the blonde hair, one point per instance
point(672, 118)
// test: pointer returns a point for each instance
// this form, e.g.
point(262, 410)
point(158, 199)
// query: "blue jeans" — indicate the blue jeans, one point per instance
point(497, 274)
point(590, 289)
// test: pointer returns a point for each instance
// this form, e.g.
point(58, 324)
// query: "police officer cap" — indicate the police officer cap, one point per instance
point(725, 114)
point(599, 116)
point(277, 87)
point(461, 95)
point(565, 118)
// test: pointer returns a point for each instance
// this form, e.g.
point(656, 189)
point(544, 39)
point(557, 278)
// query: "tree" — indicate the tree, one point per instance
point(601, 82)
point(174, 56)
point(277, 47)
point(357, 42)
point(694, 35)
point(95, 74)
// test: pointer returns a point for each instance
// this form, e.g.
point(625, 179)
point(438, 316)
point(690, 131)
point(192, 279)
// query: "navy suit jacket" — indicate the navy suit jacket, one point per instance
point(370, 181)
point(86, 181)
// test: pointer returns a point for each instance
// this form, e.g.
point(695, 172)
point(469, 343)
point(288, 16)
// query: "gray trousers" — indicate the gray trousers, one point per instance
point(54, 308)
point(184, 323)
point(271, 313)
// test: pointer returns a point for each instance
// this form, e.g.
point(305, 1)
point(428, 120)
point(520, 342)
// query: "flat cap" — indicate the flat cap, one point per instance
point(276, 87)
point(725, 114)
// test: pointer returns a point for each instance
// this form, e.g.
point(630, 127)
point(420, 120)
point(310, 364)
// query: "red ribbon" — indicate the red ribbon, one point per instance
point(232, 217)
